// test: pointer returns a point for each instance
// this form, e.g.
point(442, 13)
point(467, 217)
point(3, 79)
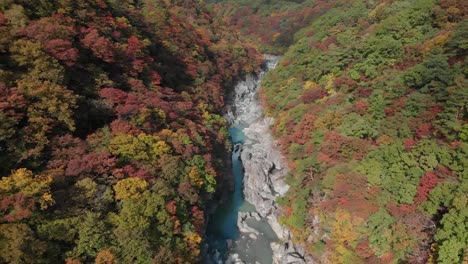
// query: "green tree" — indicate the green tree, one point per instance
point(199, 174)
point(433, 69)
point(18, 244)
point(356, 126)
point(379, 226)
point(453, 235)
point(451, 121)
point(141, 224)
point(144, 147)
point(93, 236)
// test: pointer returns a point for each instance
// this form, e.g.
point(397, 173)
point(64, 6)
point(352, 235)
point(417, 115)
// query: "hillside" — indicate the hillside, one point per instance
point(271, 24)
point(370, 108)
point(113, 143)
point(111, 137)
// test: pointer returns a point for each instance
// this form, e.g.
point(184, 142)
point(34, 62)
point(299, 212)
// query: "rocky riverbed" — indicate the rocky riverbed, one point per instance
point(260, 238)
point(264, 173)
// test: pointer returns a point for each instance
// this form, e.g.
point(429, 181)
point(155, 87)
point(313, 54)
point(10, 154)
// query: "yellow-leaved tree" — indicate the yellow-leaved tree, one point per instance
point(21, 191)
point(130, 188)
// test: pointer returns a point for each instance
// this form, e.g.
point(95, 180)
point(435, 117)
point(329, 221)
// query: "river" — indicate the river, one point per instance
point(226, 242)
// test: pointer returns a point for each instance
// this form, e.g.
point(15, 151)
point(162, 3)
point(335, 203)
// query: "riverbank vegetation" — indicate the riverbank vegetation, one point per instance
point(111, 139)
point(370, 103)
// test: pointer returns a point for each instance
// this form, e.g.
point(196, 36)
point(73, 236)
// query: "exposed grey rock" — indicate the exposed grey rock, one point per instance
point(234, 259)
point(243, 107)
point(285, 253)
point(242, 223)
point(256, 216)
point(264, 169)
point(241, 102)
point(280, 231)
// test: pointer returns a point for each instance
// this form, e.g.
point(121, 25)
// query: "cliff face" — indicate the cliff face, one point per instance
point(263, 164)
point(265, 171)
point(264, 167)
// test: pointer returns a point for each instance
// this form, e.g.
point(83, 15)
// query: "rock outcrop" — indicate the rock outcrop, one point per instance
point(242, 108)
point(242, 222)
point(264, 168)
point(264, 172)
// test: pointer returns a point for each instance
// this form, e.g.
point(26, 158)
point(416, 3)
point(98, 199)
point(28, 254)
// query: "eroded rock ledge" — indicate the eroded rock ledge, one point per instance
point(265, 171)
point(264, 168)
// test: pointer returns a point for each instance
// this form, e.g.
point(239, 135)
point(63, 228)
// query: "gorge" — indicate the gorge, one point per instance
point(244, 228)
point(136, 131)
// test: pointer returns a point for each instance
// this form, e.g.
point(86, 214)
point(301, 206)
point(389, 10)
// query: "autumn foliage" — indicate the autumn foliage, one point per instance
point(370, 111)
point(103, 107)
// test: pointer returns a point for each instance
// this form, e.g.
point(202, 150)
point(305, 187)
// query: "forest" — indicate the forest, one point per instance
point(113, 141)
point(111, 135)
point(271, 25)
point(370, 107)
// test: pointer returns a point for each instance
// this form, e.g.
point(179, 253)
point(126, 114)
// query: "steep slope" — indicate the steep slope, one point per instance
point(271, 24)
point(110, 130)
point(370, 106)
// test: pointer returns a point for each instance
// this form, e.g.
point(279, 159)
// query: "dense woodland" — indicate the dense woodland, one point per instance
point(271, 24)
point(370, 103)
point(111, 139)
